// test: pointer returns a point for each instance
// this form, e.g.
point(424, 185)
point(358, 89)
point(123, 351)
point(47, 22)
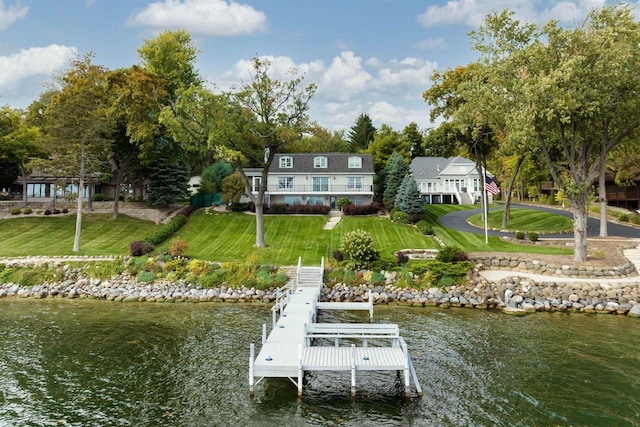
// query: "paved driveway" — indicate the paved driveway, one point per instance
point(458, 221)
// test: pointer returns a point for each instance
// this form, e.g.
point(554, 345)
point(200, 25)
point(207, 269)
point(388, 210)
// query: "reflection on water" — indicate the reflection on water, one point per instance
point(97, 363)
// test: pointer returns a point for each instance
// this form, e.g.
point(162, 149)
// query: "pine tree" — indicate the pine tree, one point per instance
point(169, 178)
point(394, 172)
point(409, 199)
point(361, 134)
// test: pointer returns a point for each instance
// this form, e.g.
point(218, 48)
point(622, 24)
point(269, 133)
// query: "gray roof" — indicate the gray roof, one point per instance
point(431, 167)
point(336, 163)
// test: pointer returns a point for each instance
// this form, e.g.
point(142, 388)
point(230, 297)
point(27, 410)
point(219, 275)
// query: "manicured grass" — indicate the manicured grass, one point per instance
point(53, 235)
point(231, 237)
point(526, 220)
point(472, 242)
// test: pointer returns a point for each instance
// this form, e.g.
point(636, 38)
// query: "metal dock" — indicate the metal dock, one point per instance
point(295, 344)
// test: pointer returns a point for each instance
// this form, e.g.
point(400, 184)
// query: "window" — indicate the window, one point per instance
point(285, 183)
point(315, 201)
point(355, 162)
point(256, 184)
point(292, 200)
point(354, 183)
point(476, 184)
point(320, 162)
point(320, 183)
point(286, 162)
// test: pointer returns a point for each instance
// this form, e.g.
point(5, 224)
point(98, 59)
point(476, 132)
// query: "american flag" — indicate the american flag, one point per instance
point(490, 185)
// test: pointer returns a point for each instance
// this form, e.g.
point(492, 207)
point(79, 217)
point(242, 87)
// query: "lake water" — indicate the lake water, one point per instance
point(95, 363)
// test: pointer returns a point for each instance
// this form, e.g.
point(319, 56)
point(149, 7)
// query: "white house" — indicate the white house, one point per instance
point(318, 179)
point(452, 180)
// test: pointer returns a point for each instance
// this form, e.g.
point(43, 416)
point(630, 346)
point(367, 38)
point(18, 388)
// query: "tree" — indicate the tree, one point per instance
point(19, 143)
point(232, 188)
point(212, 177)
point(361, 133)
point(409, 199)
point(77, 128)
point(575, 89)
point(443, 141)
point(169, 177)
point(415, 139)
point(319, 140)
point(258, 122)
point(386, 142)
point(394, 172)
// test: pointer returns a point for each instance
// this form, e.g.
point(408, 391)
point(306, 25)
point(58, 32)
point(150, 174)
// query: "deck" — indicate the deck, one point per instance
point(297, 344)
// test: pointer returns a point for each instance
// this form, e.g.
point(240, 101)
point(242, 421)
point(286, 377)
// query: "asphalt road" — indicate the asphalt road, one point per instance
point(458, 221)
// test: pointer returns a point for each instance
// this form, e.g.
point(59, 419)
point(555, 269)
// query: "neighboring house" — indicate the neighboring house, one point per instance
point(44, 187)
point(318, 179)
point(452, 180)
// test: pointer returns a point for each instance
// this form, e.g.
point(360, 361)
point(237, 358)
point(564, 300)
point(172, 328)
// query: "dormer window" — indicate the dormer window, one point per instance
point(320, 162)
point(286, 162)
point(355, 162)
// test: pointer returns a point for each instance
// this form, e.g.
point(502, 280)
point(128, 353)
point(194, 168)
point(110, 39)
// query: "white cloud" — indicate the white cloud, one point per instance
point(205, 17)
point(472, 12)
point(23, 73)
point(11, 13)
point(345, 77)
point(437, 43)
point(396, 116)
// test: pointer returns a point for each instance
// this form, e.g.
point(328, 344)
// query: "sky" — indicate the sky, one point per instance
point(370, 57)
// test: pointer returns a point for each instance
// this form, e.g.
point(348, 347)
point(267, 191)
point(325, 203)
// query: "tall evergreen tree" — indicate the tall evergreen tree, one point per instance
point(409, 199)
point(414, 137)
point(361, 134)
point(169, 177)
point(394, 172)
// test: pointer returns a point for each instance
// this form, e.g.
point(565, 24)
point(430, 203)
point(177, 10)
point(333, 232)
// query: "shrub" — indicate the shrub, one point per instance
point(415, 217)
point(519, 235)
point(424, 227)
point(140, 247)
point(342, 202)
point(623, 217)
point(168, 230)
point(337, 255)
point(533, 236)
point(15, 211)
point(240, 207)
point(309, 209)
point(451, 254)
point(65, 210)
point(400, 217)
point(357, 247)
point(47, 212)
point(402, 258)
point(99, 197)
point(635, 219)
point(360, 209)
point(27, 210)
point(178, 247)
point(198, 267)
point(55, 211)
point(146, 277)
point(276, 209)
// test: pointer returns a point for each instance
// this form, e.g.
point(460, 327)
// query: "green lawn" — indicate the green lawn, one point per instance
point(526, 220)
point(231, 236)
point(53, 235)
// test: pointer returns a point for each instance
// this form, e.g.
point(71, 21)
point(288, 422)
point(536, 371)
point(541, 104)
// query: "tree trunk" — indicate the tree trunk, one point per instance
point(260, 243)
point(90, 198)
point(506, 215)
point(580, 216)
point(23, 172)
point(76, 240)
point(602, 190)
point(115, 169)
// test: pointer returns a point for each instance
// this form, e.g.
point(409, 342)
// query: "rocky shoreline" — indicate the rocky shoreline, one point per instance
point(513, 295)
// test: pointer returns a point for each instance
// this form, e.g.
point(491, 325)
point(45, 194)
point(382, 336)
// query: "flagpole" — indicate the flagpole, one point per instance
point(486, 208)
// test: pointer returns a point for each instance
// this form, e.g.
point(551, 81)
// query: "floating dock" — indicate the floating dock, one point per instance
point(294, 345)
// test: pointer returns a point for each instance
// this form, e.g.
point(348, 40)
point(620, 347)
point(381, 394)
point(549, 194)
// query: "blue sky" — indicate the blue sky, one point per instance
point(368, 56)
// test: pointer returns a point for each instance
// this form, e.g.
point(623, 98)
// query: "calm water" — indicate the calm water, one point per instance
point(89, 363)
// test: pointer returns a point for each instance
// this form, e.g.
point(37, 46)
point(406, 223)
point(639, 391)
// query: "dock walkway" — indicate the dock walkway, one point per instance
point(294, 345)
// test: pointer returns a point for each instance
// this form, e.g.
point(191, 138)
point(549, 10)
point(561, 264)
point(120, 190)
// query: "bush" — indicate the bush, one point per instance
point(415, 217)
point(99, 197)
point(309, 209)
point(424, 227)
point(65, 210)
point(276, 209)
point(451, 254)
point(400, 217)
point(168, 230)
point(47, 212)
point(15, 211)
point(357, 247)
point(27, 210)
point(402, 258)
point(623, 218)
point(342, 202)
point(360, 209)
point(146, 277)
point(337, 255)
point(55, 211)
point(519, 235)
point(140, 247)
point(635, 219)
point(533, 236)
point(178, 247)
point(241, 207)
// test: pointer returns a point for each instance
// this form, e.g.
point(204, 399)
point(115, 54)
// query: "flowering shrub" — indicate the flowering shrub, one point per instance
point(357, 247)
